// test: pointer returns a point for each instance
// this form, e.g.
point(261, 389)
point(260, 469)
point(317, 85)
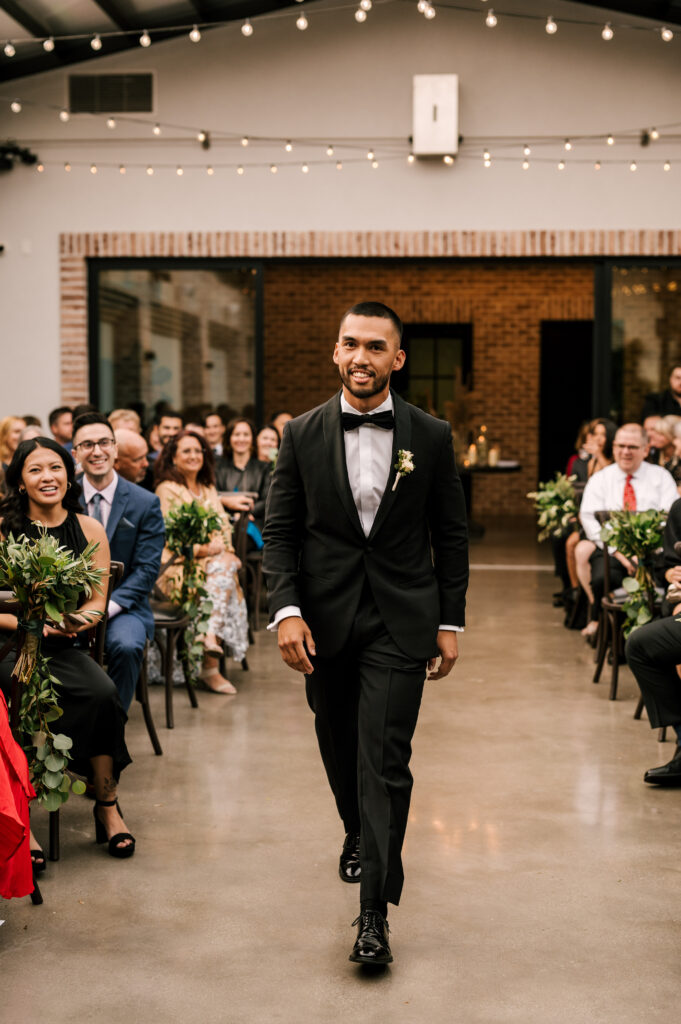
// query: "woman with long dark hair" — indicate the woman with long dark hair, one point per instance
point(184, 472)
point(42, 491)
point(240, 470)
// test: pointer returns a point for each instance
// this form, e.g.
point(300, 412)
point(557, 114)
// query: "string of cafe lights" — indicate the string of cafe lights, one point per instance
point(429, 10)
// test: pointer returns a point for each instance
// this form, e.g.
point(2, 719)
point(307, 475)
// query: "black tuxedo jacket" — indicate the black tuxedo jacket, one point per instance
point(415, 558)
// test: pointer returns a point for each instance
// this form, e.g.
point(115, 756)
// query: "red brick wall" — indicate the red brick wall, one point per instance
point(505, 302)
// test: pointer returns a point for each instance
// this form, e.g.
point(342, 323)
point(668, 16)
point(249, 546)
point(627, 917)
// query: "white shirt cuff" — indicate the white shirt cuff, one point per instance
point(114, 609)
point(286, 612)
point(452, 629)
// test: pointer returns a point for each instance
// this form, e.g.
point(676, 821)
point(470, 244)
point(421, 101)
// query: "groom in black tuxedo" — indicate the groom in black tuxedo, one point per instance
point(367, 567)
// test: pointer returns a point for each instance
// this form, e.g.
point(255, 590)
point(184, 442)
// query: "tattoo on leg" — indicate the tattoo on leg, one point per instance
point(109, 787)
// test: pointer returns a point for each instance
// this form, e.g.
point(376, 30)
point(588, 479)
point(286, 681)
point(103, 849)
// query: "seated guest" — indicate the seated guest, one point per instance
point(125, 419)
point(240, 470)
point(674, 464)
point(661, 438)
point(169, 423)
point(667, 402)
point(29, 432)
point(580, 454)
point(653, 652)
point(33, 421)
point(61, 425)
point(597, 449)
point(133, 522)
point(279, 421)
point(630, 483)
point(214, 431)
point(152, 438)
point(10, 432)
point(131, 462)
point(41, 488)
point(184, 472)
point(267, 444)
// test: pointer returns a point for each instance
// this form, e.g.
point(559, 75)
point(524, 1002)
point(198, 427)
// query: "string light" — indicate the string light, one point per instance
point(551, 27)
point(339, 165)
point(360, 15)
point(239, 170)
point(607, 32)
point(632, 165)
point(48, 45)
point(329, 150)
point(40, 168)
point(374, 164)
point(411, 158)
point(210, 171)
point(64, 116)
point(67, 167)
point(121, 169)
point(597, 165)
point(305, 168)
point(667, 166)
point(96, 43)
point(667, 34)
point(561, 165)
point(370, 155)
point(366, 5)
point(247, 28)
point(288, 147)
point(179, 172)
point(157, 129)
point(15, 106)
point(150, 171)
point(526, 165)
point(201, 136)
point(526, 150)
point(447, 159)
point(654, 134)
point(491, 19)
point(9, 49)
point(244, 141)
point(195, 35)
point(145, 39)
point(568, 145)
point(610, 140)
point(93, 168)
point(486, 155)
point(302, 22)
point(429, 12)
point(421, 6)
point(273, 168)
point(111, 122)
point(487, 162)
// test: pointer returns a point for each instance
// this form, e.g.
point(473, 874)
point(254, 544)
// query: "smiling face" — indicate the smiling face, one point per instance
point(267, 441)
point(629, 448)
point(188, 458)
point(214, 430)
point(95, 449)
point(366, 353)
point(170, 426)
point(241, 439)
point(45, 479)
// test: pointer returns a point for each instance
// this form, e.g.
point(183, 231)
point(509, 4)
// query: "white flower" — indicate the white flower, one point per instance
point(404, 465)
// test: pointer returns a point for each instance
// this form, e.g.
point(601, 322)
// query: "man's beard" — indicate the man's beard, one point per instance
point(373, 387)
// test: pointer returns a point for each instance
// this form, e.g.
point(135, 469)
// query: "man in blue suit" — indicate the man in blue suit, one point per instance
point(133, 522)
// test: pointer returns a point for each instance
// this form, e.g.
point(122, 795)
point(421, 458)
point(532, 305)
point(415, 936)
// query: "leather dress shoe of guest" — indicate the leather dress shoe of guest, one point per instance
point(349, 867)
point(667, 774)
point(371, 946)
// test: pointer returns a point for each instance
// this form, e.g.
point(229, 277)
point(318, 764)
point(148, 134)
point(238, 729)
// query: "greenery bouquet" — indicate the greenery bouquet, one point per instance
point(555, 506)
point(188, 524)
point(637, 536)
point(48, 582)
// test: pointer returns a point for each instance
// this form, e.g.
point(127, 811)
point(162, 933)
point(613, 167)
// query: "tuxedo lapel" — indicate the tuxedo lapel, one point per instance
point(401, 441)
point(117, 506)
point(335, 450)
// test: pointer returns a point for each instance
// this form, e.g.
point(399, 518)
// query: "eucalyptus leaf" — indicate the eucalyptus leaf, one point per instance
point(53, 779)
point(42, 753)
point(65, 784)
point(51, 799)
point(54, 763)
point(630, 584)
point(78, 787)
point(62, 742)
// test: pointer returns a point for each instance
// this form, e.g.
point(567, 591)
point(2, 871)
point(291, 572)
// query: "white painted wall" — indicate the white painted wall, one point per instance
point(336, 79)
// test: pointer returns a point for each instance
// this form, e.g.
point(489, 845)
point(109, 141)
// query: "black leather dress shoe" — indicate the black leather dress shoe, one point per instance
point(372, 946)
point(667, 774)
point(349, 868)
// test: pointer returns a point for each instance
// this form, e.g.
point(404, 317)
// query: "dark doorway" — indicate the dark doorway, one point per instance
point(437, 374)
point(566, 390)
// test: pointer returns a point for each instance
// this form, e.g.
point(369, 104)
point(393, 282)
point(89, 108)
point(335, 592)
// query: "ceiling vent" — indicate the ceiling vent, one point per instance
point(111, 94)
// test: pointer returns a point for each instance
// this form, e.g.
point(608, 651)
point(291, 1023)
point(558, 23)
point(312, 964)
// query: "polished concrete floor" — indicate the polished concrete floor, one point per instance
point(542, 874)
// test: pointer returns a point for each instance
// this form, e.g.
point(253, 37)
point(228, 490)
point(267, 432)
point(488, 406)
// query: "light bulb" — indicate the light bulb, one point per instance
point(179, 172)
point(667, 34)
point(111, 122)
point(195, 35)
point(201, 136)
point(305, 169)
point(597, 165)
point(487, 163)
point(301, 22)
point(610, 140)
point(551, 26)
point(329, 150)
point(360, 15)
point(9, 50)
point(568, 145)
point(667, 166)
point(145, 39)
point(273, 169)
point(121, 169)
point(67, 167)
point(247, 28)
point(64, 116)
point(374, 164)
point(210, 171)
point(93, 168)
point(447, 159)
point(485, 155)
point(156, 129)
point(366, 5)
point(244, 141)
point(40, 168)
point(150, 171)
point(339, 165)
point(15, 106)
point(370, 155)
point(561, 165)
point(632, 165)
point(607, 32)
point(654, 134)
point(96, 43)
point(288, 147)
point(239, 170)
point(526, 165)
point(421, 6)
point(411, 158)
point(491, 19)
point(526, 150)
point(48, 45)
point(429, 12)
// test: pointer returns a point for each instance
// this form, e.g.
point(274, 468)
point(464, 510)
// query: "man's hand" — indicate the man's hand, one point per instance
point(673, 575)
point(448, 646)
point(294, 636)
point(631, 569)
point(236, 502)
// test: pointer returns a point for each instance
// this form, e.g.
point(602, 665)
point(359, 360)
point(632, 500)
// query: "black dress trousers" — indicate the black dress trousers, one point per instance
point(653, 652)
point(366, 702)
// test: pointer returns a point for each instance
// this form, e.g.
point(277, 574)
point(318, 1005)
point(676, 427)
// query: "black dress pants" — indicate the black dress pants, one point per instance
point(366, 702)
point(617, 574)
point(653, 652)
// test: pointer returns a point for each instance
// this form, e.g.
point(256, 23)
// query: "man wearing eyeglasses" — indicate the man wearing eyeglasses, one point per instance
point(133, 523)
point(629, 483)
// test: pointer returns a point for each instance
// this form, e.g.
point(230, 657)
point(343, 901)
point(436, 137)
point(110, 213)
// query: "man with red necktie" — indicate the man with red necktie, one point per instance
point(629, 483)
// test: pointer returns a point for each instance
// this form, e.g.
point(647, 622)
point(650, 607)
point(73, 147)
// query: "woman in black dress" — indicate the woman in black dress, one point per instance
point(41, 487)
point(238, 469)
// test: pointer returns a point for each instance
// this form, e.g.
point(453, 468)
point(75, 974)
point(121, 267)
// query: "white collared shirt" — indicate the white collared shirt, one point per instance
point(653, 486)
point(107, 497)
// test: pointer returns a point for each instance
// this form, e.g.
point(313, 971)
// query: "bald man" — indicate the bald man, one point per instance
point(131, 462)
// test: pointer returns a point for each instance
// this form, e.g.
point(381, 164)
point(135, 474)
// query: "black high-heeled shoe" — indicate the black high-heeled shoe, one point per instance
point(38, 861)
point(101, 836)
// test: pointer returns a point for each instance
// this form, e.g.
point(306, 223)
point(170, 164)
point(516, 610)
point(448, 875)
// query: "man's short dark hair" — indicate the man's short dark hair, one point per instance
point(170, 414)
point(674, 366)
point(87, 418)
point(57, 413)
point(376, 309)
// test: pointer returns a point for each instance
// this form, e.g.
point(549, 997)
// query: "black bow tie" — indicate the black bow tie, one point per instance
point(384, 420)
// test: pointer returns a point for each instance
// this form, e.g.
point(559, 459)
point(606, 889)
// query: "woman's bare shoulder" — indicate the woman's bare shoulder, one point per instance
point(92, 529)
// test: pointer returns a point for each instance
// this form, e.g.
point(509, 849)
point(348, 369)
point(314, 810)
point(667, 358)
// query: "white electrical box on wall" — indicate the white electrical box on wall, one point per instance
point(436, 115)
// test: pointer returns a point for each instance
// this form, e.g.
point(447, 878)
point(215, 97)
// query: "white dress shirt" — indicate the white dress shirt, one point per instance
point(107, 495)
point(368, 454)
point(653, 486)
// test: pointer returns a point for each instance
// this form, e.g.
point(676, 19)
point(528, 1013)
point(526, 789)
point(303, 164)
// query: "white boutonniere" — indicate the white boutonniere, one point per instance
point(404, 465)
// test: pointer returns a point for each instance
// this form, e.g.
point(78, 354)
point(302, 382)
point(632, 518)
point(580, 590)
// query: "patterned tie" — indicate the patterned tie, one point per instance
point(629, 501)
point(96, 502)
